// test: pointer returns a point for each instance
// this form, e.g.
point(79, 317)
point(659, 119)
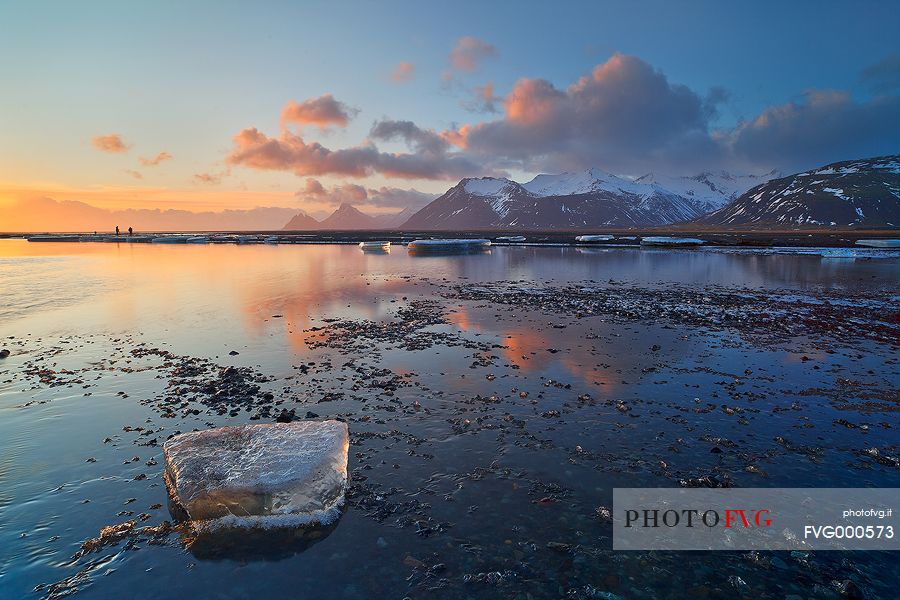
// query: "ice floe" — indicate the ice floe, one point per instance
point(585, 239)
point(446, 246)
point(272, 475)
point(879, 243)
point(670, 241)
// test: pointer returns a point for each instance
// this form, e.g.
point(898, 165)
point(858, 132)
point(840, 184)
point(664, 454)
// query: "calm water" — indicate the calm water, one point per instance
point(473, 445)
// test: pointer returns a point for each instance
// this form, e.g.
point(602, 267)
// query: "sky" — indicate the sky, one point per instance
point(210, 106)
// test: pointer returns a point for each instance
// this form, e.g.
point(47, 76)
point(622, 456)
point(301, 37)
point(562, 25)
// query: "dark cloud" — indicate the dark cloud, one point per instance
point(622, 114)
point(390, 197)
point(323, 111)
point(626, 116)
point(420, 140)
point(823, 127)
point(483, 100)
point(884, 76)
point(349, 193)
point(312, 188)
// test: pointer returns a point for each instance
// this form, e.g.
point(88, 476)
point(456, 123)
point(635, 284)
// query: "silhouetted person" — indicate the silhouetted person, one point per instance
point(130, 231)
point(117, 231)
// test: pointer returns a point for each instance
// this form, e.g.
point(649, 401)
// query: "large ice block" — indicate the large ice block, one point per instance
point(283, 474)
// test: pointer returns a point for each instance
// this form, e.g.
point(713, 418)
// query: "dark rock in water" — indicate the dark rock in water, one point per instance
point(848, 589)
point(311, 415)
point(706, 481)
point(234, 353)
point(604, 514)
point(286, 416)
point(4, 353)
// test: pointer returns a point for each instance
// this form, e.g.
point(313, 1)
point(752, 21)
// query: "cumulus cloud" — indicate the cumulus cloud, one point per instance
point(312, 188)
point(470, 52)
point(350, 193)
point(883, 76)
point(111, 143)
point(623, 112)
point(152, 162)
point(290, 152)
point(403, 72)
point(420, 140)
point(391, 197)
point(822, 127)
point(322, 112)
point(624, 116)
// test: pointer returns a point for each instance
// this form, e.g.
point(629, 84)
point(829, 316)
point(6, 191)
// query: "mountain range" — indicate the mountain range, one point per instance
point(348, 217)
point(852, 193)
point(855, 193)
point(579, 200)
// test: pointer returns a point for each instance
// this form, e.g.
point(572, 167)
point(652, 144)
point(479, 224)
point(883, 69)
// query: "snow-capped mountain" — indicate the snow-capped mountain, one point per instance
point(853, 193)
point(709, 190)
point(586, 199)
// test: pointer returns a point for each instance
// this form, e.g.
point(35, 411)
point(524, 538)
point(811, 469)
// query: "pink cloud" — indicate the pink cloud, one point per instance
point(111, 143)
point(429, 159)
point(152, 162)
point(208, 178)
point(622, 114)
point(470, 52)
point(322, 112)
point(313, 187)
point(403, 72)
point(350, 193)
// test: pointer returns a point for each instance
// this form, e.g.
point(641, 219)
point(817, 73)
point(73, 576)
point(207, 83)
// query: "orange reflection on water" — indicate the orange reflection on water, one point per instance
point(525, 347)
point(187, 289)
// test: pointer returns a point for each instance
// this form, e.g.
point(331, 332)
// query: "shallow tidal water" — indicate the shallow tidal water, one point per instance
point(494, 401)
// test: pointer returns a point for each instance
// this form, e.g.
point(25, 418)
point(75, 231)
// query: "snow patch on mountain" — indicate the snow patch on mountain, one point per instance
point(853, 193)
point(708, 191)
